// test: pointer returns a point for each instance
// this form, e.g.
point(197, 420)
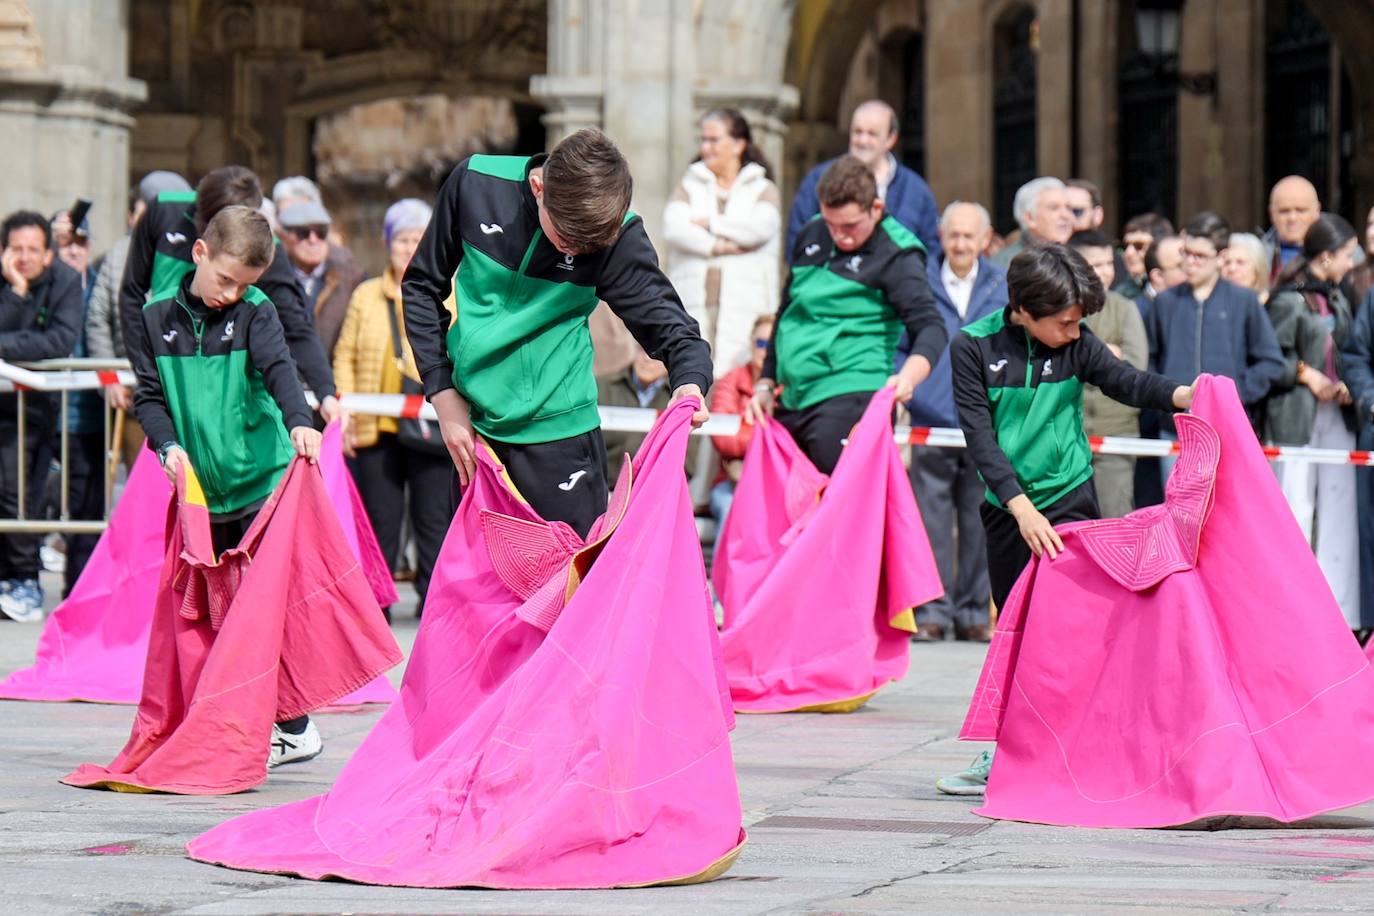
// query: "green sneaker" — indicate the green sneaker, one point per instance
point(973, 781)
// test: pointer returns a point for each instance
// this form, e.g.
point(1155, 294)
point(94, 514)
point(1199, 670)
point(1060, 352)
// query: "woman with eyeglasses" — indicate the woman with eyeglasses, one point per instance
point(1311, 404)
point(721, 228)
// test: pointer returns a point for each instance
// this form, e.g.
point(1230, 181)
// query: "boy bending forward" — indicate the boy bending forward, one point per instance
point(217, 389)
point(1018, 386)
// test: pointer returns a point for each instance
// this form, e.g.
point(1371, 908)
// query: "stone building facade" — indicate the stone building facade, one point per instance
point(1176, 105)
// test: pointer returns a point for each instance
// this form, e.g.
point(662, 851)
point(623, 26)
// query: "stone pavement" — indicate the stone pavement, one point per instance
point(841, 810)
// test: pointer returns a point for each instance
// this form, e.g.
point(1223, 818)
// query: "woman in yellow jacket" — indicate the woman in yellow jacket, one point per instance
point(374, 357)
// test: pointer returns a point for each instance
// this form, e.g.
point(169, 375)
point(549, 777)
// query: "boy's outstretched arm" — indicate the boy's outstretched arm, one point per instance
point(637, 291)
point(1122, 382)
point(150, 402)
point(268, 351)
point(428, 281)
point(926, 337)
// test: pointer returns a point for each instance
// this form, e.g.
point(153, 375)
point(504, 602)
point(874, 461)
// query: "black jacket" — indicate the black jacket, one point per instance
point(44, 324)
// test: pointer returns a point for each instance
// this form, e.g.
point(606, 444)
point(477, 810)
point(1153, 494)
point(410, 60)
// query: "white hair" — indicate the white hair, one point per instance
point(1028, 196)
point(1255, 251)
point(982, 213)
point(296, 187)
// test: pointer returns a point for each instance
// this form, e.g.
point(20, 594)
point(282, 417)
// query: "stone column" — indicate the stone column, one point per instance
point(1097, 109)
point(959, 101)
point(65, 98)
point(1054, 89)
point(1221, 136)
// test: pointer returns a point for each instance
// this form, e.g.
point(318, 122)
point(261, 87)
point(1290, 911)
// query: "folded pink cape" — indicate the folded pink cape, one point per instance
point(561, 722)
point(93, 645)
point(1188, 660)
point(278, 626)
point(818, 577)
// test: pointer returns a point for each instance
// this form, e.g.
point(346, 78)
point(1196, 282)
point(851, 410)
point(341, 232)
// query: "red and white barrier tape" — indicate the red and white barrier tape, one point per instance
point(641, 419)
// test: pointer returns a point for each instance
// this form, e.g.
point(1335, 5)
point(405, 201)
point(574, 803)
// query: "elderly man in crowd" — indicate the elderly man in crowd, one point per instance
point(905, 195)
point(1293, 208)
point(966, 287)
point(326, 272)
point(1041, 208)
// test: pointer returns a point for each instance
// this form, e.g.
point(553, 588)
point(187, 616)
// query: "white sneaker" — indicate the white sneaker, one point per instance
point(288, 748)
point(22, 601)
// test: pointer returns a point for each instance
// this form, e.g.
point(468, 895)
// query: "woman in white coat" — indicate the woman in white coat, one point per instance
point(722, 228)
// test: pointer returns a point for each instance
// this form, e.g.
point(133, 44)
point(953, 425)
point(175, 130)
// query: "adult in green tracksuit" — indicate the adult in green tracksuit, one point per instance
point(857, 279)
point(535, 243)
point(216, 383)
point(160, 256)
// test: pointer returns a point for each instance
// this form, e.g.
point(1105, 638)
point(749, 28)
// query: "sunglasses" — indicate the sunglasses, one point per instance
point(1138, 244)
point(305, 232)
point(761, 342)
point(1078, 212)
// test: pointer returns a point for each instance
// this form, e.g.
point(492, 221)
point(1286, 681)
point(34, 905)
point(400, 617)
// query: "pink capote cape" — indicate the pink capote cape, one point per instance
point(276, 627)
point(818, 577)
point(93, 645)
point(561, 724)
point(1186, 661)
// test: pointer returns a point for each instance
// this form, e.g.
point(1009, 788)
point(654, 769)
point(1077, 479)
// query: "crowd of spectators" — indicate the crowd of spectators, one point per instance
point(1288, 313)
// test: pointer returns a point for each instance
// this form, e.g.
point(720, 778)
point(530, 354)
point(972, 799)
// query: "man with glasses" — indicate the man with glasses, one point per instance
point(1139, 233)
point(326, 272)
point(1207, 324)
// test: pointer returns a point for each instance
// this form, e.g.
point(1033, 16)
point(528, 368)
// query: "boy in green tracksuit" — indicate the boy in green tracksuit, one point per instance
point(1018, 386)
point(531, 244)
point(217, 390)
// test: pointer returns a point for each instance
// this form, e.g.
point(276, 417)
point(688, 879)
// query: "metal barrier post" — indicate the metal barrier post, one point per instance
point(64, 425)
point(22, 460)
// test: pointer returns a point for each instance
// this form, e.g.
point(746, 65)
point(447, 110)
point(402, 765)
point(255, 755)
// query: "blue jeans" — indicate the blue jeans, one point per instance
point(722, 495)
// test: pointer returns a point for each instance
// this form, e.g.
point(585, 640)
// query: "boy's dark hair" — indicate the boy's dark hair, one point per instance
point(847, 181)
point(587, 189)
point(243, 234)
point(1044, 280)
point(21, 219)
point(1210, 226)
point(1094, 192)
point(1089, 238)
point(228, 186)
point(1153, 223)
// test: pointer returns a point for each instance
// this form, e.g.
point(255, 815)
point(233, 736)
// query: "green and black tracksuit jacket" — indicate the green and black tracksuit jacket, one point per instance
point(842, 313)
point(1021, 405)
point(160, 255)
point(222, 385)
point(520, 352)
